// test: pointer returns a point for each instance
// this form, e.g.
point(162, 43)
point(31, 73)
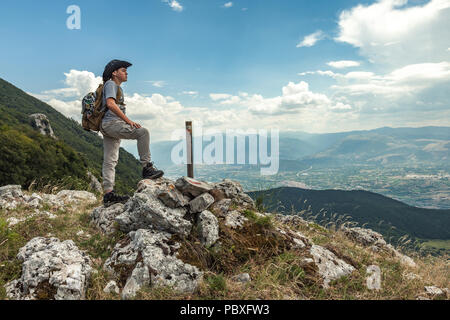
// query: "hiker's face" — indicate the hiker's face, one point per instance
point(121, 74)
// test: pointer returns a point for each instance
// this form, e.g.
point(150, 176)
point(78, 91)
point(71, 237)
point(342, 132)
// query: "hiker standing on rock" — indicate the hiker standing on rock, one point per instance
point(116, 126)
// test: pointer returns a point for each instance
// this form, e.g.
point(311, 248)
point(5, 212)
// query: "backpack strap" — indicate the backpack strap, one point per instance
point(119, 95)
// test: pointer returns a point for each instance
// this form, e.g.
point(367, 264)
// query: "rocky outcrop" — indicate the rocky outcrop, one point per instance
point(51, 269)
point(94, 184)
point(104, 218)
point(366, 237)
point(228, 189)
point(145, 211)
point(376, 242)
point(40, 122)
point(76, 196)
point(151, 256)
point(12, 196)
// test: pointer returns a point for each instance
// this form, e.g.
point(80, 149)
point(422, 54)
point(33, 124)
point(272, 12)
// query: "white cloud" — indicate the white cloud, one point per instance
point(391, 33)
point(343, 64)
point(175, 5)
point(158, 83)
point(295, 98)
point(311, 39)
point(228, 5)
point(191, 93)
point(219, 96)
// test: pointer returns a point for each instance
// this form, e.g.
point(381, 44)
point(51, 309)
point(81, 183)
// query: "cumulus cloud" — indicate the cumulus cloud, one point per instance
point(295, 98)
point(175, 5)
point(228, 5)
point(409, 79)
point(392, 33)
point(311, 39)
point(343, 64)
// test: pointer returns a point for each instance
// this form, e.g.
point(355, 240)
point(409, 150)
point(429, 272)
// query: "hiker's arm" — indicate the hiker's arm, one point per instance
point(112, 105)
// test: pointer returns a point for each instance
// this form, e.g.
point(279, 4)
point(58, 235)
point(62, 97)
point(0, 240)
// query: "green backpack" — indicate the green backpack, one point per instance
point(92, 109)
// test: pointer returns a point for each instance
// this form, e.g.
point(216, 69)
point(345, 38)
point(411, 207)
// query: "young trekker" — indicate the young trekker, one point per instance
point(116, 126)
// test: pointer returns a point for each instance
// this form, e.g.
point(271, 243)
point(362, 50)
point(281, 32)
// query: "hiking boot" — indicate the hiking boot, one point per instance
point(112, 198)
point(151, 172)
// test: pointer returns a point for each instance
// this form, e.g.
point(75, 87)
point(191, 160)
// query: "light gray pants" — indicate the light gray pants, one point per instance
point(113, 131)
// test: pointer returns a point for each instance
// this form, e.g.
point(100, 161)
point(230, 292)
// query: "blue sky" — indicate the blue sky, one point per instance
point(243, 64)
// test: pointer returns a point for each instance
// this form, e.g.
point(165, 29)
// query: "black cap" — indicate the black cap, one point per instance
point(112, 66)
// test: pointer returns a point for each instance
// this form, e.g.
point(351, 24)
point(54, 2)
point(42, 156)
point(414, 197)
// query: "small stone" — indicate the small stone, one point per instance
point(201, 203)
point(411, 276)
point(221, 207)
point(434, 292)
point(373, 281)
point(208, 226)
point(192, 187)
point(111, 287)
point(243, 277)
point(172, 198)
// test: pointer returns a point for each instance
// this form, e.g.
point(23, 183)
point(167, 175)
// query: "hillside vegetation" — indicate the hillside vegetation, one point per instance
point(390, 217)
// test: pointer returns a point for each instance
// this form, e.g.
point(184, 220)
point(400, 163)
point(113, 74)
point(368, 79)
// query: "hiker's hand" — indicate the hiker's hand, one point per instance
point(134, 124)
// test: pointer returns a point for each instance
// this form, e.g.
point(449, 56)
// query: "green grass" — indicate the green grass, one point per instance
point(438, 244)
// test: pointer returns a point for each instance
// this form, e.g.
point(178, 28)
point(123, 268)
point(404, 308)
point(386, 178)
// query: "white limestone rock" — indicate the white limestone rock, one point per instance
point(59, 268)
point(76, 196)
point(152, 256)
point(40, 122)
point(373, 281)
point(192, 187)
point(111, 287)
point(330, 267)
point(104, 218)
point(201, 203)
point(145, 211)
point(235, 220)
point(243, 278)
point(366, 237)
point(208, 227)
point(229, 189)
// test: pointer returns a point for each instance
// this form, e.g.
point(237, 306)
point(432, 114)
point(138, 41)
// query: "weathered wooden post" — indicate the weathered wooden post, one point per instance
point(190, 153)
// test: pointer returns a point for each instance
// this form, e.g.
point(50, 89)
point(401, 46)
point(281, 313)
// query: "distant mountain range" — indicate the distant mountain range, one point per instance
point(28, 156)
point(390, 217)
point(383, 146)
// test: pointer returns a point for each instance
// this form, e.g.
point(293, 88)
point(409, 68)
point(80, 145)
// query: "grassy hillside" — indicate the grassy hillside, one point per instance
point(391, 218)
point(15, 108)
point(276, 273)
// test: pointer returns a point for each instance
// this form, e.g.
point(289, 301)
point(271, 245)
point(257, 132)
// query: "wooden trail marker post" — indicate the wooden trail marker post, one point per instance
point(190, 153)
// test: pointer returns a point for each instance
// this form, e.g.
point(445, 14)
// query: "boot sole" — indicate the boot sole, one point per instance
point(155, 176)
point(109, 204)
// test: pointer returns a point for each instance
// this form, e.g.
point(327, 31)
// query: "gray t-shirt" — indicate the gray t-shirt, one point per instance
point(110, 91)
